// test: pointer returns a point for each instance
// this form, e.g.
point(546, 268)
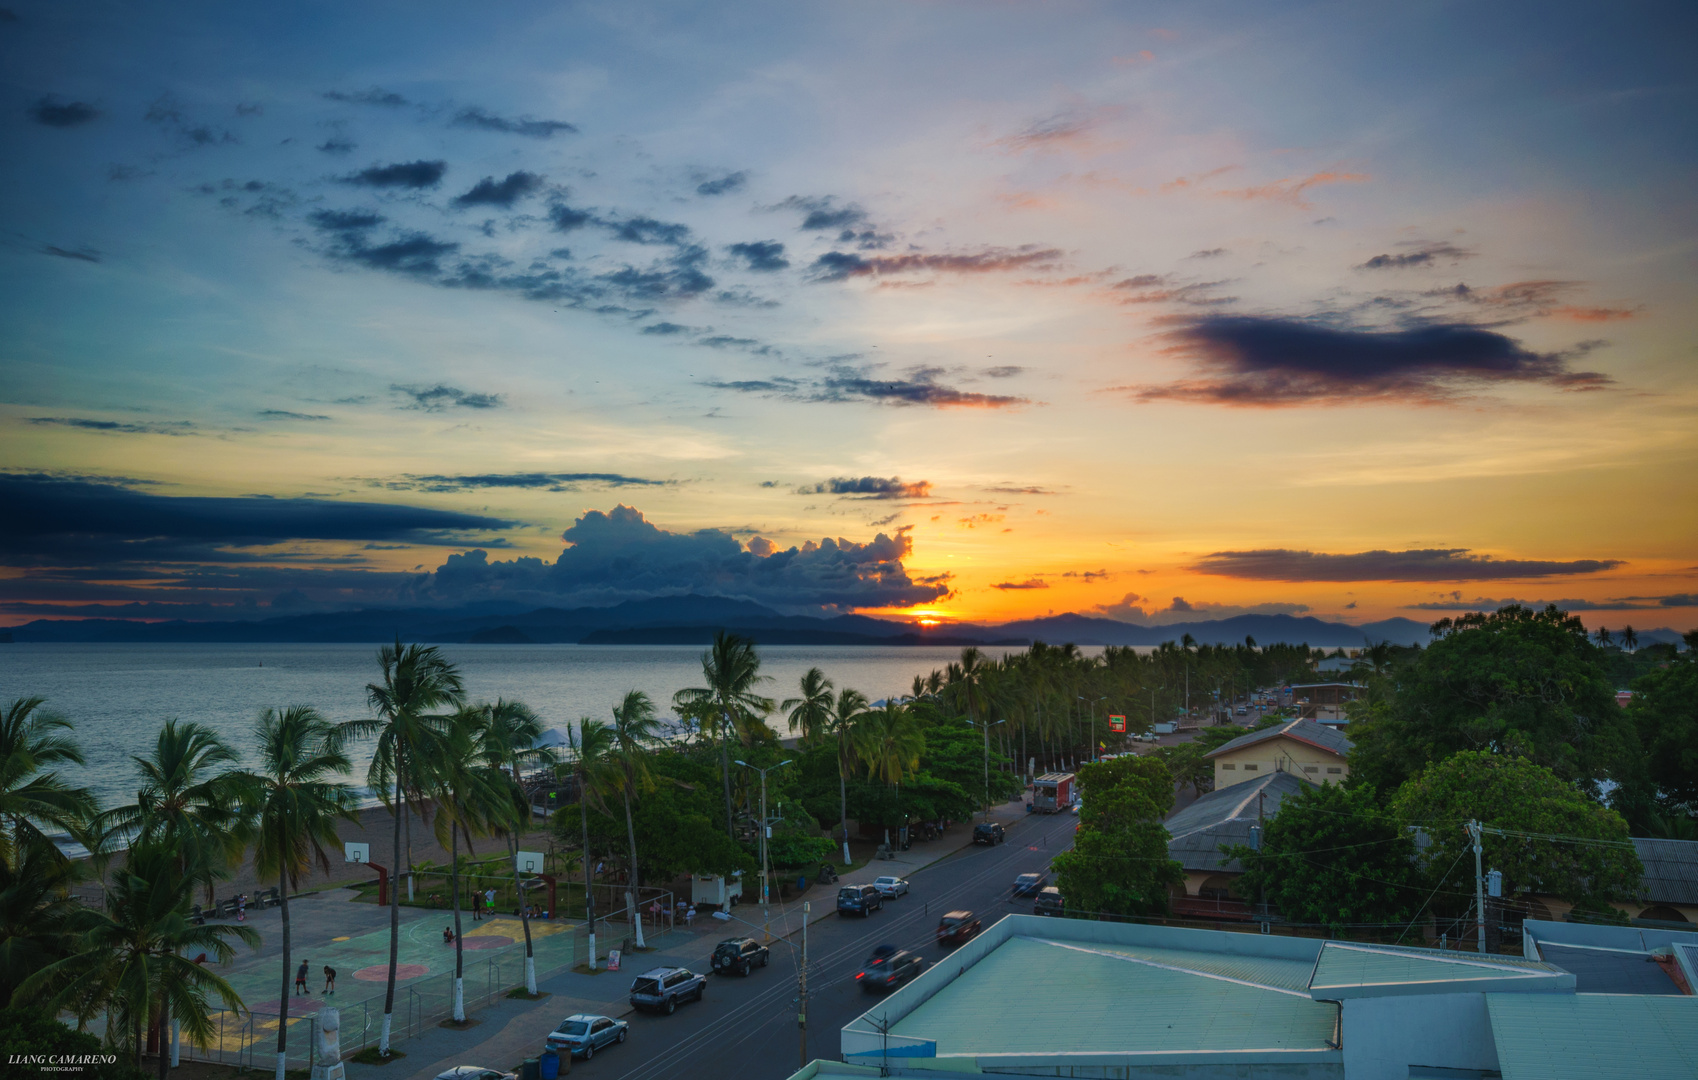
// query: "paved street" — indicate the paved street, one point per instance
point(747, 1027)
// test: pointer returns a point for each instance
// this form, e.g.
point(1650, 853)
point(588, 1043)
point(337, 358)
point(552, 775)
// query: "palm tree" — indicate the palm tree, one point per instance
point(35, 902)
point(891, 742)
point(970, 677)
point(592, 747)
point(137, 956)
point(1602, 636)
point(846, 713)
point(634, 728)
point(732, 669)
point(811, 713)
point(511, 731)
point(30, 742)
point(298, 800)
point(1629, 640)
point(469, 794)
point(416, 680)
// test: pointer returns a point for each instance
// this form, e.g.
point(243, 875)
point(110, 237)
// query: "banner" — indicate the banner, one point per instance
point(1117, 723)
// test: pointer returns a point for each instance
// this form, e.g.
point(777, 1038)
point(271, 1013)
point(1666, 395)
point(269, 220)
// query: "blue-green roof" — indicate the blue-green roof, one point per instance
point(1595, 1036)
point(1351, 970)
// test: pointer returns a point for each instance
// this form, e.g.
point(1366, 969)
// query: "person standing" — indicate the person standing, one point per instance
point(477, 905)
point(489, 900)
point(301, 979)
point(329, 979)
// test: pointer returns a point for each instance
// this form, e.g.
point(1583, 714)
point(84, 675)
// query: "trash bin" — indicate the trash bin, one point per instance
point(801, 883)
point(530, 1070)
point(550, 1063)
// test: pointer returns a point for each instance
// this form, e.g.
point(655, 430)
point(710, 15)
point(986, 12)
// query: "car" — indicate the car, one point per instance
point(662, 988)
point(956, 927)
point(860, 900)
point(1243, 711)
point(741, 955)
point(475, 1072)
point(891, 886)
point(988, 832)
point(889, 968)
point(1077, 806)
point(1048, 902)
point(584, 1033)
point(1029, 884)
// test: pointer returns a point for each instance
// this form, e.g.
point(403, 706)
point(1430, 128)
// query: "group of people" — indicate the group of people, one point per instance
point(301, 979)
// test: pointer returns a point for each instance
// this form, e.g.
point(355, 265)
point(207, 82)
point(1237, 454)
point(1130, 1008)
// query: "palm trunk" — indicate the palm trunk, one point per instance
point(394, 923)
point(283, 1001)
point(138, 1036)
point(589, 876)
point(725, 772)
point(164, 1034)
point(631, 893)
point(459, 938)
point(525, 920)
point(843, 809)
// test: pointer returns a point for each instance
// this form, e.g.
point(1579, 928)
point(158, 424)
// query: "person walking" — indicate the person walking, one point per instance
point(301, 979)
point(329, 979)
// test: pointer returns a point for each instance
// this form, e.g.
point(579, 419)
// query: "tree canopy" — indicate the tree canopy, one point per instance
point(1119, 864)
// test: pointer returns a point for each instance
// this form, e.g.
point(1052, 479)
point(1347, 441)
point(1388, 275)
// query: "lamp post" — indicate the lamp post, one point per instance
point(1094, 705)
point(801, 972)
point(984, 728)
point(766, 828)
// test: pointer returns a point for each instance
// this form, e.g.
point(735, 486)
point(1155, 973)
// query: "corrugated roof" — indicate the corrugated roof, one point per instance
point(1319, 736)
point(1224, 817)
point(1671, 870)
point(1609, 971)
point(1346, 969)
point(1595, 1036)
point(1111, 1000)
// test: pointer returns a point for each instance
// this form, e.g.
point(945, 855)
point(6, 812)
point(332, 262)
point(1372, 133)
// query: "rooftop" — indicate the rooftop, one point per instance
point(1671, 870)
point(1347, 970)
point(1308, 732)
point(1595, 1036)
point(1225, 817)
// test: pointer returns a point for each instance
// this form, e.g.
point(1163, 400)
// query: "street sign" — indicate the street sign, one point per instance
point(1117, 723)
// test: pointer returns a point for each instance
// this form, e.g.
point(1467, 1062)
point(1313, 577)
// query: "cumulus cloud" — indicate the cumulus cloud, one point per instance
point(1254, 360)
point(870, 487)
point(51, 112)
point(621, 555)
point(1420, 564)
point(1422, 255)
point(442, 396)
point(822, 213)
point(1029, 583)
point(647, 230)
point(474, 117)
point(503, 193)
point(404, 174)
point(762, 256)
point(840, 266)
point(546, 481)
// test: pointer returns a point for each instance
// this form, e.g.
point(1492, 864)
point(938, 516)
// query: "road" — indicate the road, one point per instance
point(746, 1028)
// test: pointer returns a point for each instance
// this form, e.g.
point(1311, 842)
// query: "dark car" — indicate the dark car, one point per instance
point(740, 955)
point(1048, 902)
point(584, 1033)
point(889, 968)
point(1029, 884)
point(860, 900)
point(957, 927)
point(988, 832)
point(663, 988)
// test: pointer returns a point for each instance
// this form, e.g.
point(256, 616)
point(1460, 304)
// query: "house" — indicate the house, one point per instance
point(1668, 893)
point(1311, 750)
point(1222, 818)
point(1324, 702)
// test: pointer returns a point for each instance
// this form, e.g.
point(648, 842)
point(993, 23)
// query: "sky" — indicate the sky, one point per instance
point(974, 311)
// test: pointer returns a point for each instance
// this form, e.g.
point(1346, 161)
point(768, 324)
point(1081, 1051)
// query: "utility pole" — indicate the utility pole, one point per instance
point(1479, 890)
point(802, 1003)
point(766, 829)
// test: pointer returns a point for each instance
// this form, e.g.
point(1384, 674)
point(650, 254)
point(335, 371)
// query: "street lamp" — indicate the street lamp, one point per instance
point(985, 728)
point(1094, 705)
point(801, 971)
point(766, 829)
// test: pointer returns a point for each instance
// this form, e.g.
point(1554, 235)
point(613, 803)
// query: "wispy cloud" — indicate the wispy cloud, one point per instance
point(441, 396)
point(545, 481)
point(51, 112)
point(475, 117)
point(403, 174)
point(840, 266)
point(1420, 564)
point(869, 487)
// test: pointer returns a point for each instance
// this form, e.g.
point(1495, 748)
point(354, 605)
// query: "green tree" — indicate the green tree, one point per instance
point(1119, 863)
point(591, 745)
point(1188, 766)
point(31, 741)
point(416, 679)
point(297, 800)
point(30, 1032)
point(1664, 714)
point(1517, 682)
point(732, 669)
point(510, 734)
point(1332, 855)
point(35, 903)
point(847, 711)
point(634, 730)
point(1560, 842)
point(891, 741)
point(471, 795)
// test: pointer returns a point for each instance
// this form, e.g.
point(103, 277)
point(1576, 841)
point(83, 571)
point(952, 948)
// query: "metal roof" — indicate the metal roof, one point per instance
point(1320, 736)
point(1595, 1036)
point(1225, 817)
point(1599, 970)
point(1671, 870)
point(1184, 1002)
point(1347, 969)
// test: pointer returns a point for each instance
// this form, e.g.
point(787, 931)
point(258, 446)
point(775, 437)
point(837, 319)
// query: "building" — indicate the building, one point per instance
point(1303, 747)
point(1223, 817)
point(1324, 702)
point(1668, 895)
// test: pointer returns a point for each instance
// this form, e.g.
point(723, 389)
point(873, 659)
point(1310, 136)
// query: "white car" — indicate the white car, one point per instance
point(890, 885)
point(475, 1072)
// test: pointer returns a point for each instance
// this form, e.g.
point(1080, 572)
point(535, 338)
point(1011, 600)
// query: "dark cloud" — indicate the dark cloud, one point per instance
point(870, 487)
point(416, 254)
point(285, 414)
point(621, 555)
point(80, 254)
point(337, 145)
point(1423, 255)
point(921, 388)
point(1268, 361)
point(1088, 575)
point(1455, 602)
point(667, 329)
point(126, 172)
point(822, 213)
point(1421, 564)
point(405, 174)
point(492, 192)
point(543, 480)
point(722, 185)
point(839, 266)
point(372, 95)
point(761, 255)
point(164, 427)
point(442, 396)
point(475, 117)
point(1207, 253)
point(726, 341)
point(1022, 491)
point(676, 278)
point(646, 230)
point(1029, 583)
point(346, 220)
point(1004, 371)
point(51, 112)
point(249, 108)
point(565, 218)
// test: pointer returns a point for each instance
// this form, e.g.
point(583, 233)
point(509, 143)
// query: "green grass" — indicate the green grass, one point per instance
point(518, 993)
point(370, 1056)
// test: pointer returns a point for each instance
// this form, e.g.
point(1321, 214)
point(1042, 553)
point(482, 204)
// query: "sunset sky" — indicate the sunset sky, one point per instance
point(1155, 311)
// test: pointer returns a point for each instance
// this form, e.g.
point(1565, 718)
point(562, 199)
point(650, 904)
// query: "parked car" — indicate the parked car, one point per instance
point(475, 1072)
point(988, 832)
point(584, 1033)
point(891, 886)
point(741, 955)
point(1243, 711)
point(1029, 884)
point(889, 968)
point(663, 988)
point(957, 927)
point(860, 900)
point(1048, 902)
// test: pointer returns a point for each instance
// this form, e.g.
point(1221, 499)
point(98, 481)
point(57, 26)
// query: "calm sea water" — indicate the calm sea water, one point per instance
point(119, 694)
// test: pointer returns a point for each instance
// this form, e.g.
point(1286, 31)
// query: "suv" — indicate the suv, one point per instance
point(1029, 884)
point(889, 968)
point(1048, 902)
point(739, 954)
point(663, 988)
point(956, 927)
point(988, 832)
point(860, 900)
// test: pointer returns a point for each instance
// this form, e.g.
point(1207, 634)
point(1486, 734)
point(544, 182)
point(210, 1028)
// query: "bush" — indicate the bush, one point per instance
point(27, 1033)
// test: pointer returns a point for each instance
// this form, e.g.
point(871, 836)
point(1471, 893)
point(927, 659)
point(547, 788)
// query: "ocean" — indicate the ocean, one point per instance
point(118, 695)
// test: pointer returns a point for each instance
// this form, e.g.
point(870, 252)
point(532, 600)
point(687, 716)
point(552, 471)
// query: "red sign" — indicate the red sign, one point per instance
point(1117, 723)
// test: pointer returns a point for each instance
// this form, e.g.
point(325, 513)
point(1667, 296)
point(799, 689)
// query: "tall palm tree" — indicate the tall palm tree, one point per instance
point(30, 741)
point(846, 713)
point(1602, 636)
point(970, 678)
point(469, 794)
point(634, 729)
point(810, 713)
point(298, 800)
point(891, 741)
point(591, 745)
point(416, 680)
point(1629, 639)
point(35, 903)
point(511, 731)
point(732, 669)
point(137, 956)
